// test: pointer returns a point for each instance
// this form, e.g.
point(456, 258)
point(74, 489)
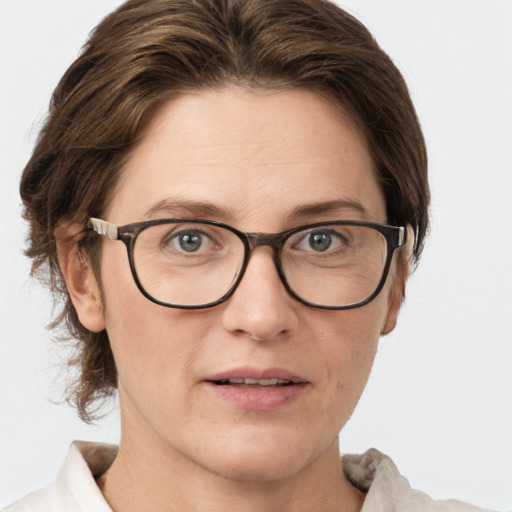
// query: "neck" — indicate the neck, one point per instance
point(144, 478)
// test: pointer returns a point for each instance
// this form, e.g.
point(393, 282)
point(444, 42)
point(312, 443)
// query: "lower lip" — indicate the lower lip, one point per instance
point(258, 398)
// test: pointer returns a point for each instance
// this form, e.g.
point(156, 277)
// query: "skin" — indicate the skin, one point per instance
point(256, 156)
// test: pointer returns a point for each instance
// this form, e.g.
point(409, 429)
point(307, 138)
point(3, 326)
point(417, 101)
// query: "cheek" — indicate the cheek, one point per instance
point(146, 339)
point(349, 346)
point(355, 333)
point(151, 344)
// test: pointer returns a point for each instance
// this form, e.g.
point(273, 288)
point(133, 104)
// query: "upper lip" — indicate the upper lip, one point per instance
point(256, 374)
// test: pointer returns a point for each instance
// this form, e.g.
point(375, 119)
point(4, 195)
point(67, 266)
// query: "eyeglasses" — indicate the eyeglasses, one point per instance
point(194, 264)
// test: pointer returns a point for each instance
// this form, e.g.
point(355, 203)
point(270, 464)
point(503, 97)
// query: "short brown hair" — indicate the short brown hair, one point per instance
point(148, 51)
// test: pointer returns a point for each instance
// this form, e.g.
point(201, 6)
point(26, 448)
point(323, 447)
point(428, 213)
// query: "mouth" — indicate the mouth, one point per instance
point(254, 383)
point(271, 377)
point(257, 390)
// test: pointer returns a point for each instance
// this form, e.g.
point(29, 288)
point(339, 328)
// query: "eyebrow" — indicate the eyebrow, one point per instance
point(189, 208)
point(328, 207)
point(206, 210)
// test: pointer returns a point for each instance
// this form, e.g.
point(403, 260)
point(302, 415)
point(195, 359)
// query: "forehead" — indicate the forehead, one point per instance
point(248, 153)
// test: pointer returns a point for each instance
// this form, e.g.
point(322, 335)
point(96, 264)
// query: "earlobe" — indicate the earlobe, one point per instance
point(80, 280)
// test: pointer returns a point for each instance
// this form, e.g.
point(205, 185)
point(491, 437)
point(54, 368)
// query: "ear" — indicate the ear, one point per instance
point(79, 277)
point(396, 294)
point(399, 277)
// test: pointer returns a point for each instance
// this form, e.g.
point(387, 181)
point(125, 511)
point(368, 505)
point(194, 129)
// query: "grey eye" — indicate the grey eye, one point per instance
point(189, 241)
point(319, 240)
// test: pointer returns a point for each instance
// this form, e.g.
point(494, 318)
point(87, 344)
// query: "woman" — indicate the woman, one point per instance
point(229, 196)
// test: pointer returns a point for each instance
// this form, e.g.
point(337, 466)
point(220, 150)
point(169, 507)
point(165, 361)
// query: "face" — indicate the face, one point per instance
point(252, 159)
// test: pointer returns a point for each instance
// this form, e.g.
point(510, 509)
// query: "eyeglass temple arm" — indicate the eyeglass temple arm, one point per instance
point(407, 239)
point(402, 236)
point(102, 227)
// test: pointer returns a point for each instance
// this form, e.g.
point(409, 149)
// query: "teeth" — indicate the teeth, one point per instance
point(259, 382)
point(270, 382)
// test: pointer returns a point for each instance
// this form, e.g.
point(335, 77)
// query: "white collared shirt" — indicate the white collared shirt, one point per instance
point(75, 489)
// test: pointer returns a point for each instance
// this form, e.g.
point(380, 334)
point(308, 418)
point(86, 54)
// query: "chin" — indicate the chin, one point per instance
point(263, 460)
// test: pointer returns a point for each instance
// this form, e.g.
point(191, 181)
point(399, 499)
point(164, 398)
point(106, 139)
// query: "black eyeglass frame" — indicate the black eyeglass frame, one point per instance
point(396, 237)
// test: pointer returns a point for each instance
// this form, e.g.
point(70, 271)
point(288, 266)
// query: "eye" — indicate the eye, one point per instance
point(190, 240)
point(320, 241)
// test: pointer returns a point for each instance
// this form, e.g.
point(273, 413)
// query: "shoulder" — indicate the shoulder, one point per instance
point(388, 491)
point(74, 489)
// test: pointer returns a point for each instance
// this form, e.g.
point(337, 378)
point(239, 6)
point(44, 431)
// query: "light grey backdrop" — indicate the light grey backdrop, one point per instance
point(439, 400)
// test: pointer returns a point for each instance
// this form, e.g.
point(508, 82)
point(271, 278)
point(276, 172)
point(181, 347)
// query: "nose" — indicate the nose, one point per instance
point(261, 309)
